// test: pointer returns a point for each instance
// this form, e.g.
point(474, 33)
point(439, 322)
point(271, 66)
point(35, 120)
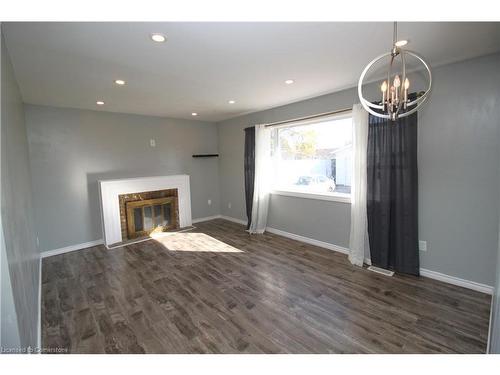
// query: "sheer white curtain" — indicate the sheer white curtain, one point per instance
point(358, 241)
point(262, 179)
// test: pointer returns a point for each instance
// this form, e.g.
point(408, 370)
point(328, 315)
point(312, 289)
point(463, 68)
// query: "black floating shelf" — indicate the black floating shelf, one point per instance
point(206, 156)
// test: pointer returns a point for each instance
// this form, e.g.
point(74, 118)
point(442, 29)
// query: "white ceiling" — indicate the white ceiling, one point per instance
point(203, 65)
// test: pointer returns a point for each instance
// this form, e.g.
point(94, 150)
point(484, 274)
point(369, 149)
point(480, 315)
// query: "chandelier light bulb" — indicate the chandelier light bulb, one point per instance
point(383, 88)
point(405, 98)
point(397, 82)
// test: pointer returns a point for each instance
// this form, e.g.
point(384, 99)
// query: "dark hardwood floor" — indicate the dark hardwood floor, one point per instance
point(218, 290)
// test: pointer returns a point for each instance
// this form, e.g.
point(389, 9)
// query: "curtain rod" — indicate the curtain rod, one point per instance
point(308, 117)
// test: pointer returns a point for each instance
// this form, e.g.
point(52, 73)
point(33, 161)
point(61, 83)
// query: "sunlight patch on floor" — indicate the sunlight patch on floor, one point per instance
point(194, 242)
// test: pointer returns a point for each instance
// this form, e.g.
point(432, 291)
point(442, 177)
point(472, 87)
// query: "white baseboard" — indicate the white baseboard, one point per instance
point(457, 281)
point(201, 219)
point(423, 272)
point(308, 240)
point(68, 249)
point(233, 219)
point(294, 236)
point(39, 331)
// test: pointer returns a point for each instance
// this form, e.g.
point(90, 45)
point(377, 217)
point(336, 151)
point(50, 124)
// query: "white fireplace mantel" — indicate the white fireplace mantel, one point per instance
point(109, 190)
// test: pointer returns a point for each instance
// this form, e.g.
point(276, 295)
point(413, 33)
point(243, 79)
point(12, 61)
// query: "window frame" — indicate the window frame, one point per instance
point(334, 197)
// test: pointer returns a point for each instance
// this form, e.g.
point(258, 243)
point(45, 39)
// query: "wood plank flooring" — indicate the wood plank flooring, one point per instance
point(219, 290)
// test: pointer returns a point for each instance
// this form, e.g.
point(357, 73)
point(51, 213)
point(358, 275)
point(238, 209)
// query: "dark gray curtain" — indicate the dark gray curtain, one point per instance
point(249, 170)
point(392, 196)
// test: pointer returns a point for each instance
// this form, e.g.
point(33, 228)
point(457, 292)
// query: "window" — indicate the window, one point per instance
point(313, 157)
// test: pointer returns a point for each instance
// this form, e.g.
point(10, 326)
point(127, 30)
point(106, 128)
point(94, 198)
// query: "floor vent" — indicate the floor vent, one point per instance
point(382, 271)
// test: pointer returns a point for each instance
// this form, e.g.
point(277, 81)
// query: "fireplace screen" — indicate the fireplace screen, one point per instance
point(151, 215)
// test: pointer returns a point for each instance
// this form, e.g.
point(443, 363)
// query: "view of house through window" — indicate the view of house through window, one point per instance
point(314, 157)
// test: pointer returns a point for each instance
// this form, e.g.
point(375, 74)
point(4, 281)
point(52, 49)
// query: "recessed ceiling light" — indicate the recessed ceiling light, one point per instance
point(401, 43)
point(99, 102)
point(232, 101)
point(159, 38)
point(289, 81)
point(120, 82)
point(194, 114)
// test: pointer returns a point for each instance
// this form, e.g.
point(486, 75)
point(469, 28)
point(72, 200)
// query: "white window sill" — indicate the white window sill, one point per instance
point(343, 198)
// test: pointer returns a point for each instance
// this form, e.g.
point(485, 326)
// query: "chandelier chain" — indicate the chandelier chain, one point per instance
point(395, 34)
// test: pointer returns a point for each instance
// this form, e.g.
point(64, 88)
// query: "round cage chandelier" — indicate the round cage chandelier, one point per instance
point(395, 103)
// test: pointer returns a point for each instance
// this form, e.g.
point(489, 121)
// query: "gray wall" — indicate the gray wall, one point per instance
point(459, 176)
point(20, 253)
point(458, 173)
point(71, 149)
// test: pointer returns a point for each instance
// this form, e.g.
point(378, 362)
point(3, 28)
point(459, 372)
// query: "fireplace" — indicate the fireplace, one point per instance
point(148, 212)
point(114, 194)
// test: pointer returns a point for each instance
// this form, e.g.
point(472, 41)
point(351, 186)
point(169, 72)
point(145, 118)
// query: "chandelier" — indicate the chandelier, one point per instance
point(395, 101)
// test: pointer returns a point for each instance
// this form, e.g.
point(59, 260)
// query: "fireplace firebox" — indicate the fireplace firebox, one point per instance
point(144, 213)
